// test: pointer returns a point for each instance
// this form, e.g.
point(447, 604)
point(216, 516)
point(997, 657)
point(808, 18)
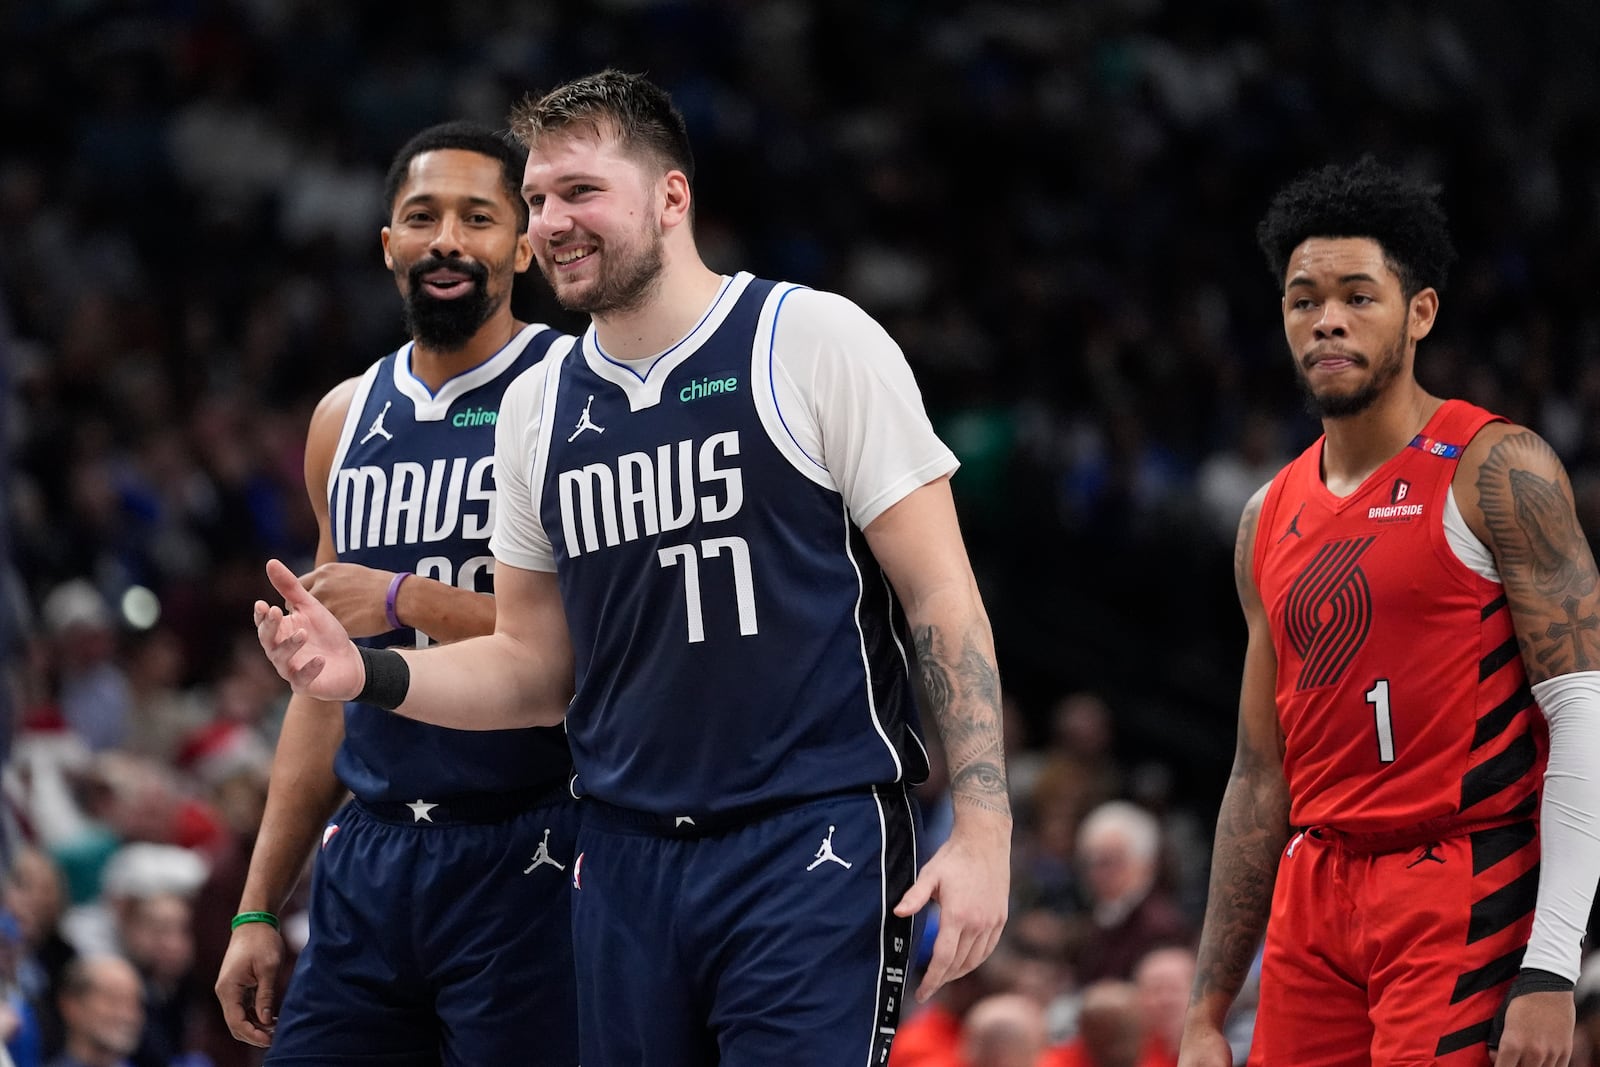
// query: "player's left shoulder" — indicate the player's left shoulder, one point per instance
point(1511, 479)
point(819, 315)
point(818, 334)
point(1500, 449)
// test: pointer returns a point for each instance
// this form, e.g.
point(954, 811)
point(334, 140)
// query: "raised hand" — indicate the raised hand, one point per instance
point(306, 644)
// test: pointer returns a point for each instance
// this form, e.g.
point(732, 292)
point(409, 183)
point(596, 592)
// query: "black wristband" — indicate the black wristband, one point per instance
point(1528, 980)
point(1533, 980)
point(388, 677)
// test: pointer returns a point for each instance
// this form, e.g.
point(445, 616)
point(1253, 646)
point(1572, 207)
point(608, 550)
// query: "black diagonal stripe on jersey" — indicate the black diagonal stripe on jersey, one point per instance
point(1492, 724)
point(1491, 846)
point(1504, 906)
point(1493, 606)
point(1466, 1037)
point(1498, 658)
point(1488, 976)
point(1499, 772)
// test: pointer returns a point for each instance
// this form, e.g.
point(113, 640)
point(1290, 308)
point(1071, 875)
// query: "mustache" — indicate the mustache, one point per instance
point(471, 268)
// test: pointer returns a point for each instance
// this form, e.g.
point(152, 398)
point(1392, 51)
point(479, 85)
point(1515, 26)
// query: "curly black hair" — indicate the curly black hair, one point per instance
point(1363, 199)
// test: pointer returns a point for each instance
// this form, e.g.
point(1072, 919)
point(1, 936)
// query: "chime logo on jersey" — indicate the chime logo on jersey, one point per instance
point(1396, 508)
point(640, 494)
point(410, 502)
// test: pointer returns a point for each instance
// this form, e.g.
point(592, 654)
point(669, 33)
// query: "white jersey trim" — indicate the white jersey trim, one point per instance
point(867, 676)
point(433, 407)
point(352, 424)
point(883, 919)
point(641, 379)
point(764, 385)
point(522, 454)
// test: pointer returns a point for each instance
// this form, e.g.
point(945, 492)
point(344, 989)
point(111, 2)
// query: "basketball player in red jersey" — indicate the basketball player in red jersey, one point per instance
point(1421, 695)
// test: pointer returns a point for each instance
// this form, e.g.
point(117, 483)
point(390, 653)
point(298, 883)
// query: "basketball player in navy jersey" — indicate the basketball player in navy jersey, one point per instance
point(440, 919)
point(730, 492)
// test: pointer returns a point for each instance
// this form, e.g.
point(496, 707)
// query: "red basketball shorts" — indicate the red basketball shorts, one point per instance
point(1393, 957)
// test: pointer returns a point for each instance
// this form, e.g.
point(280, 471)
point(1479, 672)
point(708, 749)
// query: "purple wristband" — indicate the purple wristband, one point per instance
point(388, 601)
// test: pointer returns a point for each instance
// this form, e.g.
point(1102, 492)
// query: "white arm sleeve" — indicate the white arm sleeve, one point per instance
point(848, 399)
point(519, 537)
point(1569, 823)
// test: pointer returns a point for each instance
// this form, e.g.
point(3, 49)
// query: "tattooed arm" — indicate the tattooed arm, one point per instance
point(1515, 496)
point(1252, 828)
point(918, 543)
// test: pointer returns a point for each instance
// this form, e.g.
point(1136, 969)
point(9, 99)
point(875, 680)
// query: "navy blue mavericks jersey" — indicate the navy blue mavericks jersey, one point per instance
point(736, 643)
point(412, 488)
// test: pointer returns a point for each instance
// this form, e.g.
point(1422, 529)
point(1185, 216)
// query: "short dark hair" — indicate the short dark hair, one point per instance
point(467, 137)
point(636, 110)
point(1363, 199)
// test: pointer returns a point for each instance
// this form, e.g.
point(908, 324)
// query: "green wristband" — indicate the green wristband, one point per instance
point(254, 917)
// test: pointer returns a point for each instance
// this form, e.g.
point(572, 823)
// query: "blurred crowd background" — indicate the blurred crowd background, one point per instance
point(1051, 205)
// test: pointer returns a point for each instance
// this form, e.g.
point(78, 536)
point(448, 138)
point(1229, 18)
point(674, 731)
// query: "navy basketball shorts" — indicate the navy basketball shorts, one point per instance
point(437, 941)
point(770, 942)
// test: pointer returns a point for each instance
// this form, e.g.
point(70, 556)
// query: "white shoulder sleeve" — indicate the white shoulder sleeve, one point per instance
point(1569, 823)
point(847, 398)
point(520, 451)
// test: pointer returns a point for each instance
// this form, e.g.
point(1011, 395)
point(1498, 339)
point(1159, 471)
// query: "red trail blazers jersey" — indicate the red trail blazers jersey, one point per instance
point(1400, 692)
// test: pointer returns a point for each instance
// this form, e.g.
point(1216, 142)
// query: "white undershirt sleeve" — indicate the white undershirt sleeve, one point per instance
point(519, 536)
point(1569, 823)
point(848, 399)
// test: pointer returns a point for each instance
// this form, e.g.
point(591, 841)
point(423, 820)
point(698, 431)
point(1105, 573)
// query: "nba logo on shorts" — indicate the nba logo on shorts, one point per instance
point(577, 872)
point(328, 832)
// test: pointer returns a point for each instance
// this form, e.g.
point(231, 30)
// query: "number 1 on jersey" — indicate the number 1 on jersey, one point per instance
point(743, 581)
point(1378, 697)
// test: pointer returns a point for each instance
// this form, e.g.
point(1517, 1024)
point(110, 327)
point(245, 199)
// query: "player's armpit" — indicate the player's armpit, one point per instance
point(1520, 502)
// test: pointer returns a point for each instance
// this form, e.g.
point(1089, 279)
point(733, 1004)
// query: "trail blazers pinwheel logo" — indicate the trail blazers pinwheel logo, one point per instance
point(1330, 612)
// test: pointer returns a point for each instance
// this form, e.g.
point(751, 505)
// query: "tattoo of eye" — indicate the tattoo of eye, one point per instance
point(1544, 558)
point(963, 698)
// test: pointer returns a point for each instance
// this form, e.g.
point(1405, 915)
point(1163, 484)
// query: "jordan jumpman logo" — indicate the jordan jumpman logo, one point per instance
point(585, 423)
point(541, 855)
point(825, 854)
point(377, 426)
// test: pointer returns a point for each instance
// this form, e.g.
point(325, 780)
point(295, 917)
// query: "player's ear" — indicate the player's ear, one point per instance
point(1421, 312)
point(524, 256)
point(388, 260)
point(676, 197)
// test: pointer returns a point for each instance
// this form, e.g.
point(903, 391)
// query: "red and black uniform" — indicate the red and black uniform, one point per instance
point(1414, 752)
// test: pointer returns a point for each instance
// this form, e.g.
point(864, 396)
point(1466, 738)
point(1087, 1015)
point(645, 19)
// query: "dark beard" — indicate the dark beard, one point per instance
point(1345, 405)
point(447, 325)
point(626, 289)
